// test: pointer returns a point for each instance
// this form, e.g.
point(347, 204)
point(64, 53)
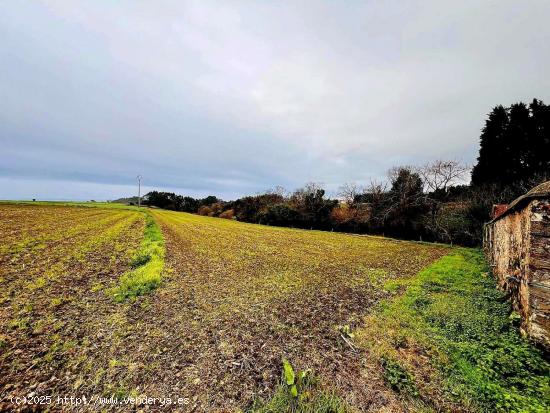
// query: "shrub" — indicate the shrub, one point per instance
point(216, 209)
point(280, 215)
point(205, 210)
point(341, 215)
point(229, 214)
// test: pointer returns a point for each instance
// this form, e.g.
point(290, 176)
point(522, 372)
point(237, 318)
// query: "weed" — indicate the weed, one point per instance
point(392, 286)
point(96, 286)
point(56, 302)
point(398, 377)
point(39, 326)
point(300, 392)
point(118, 392)
point(346, 331)
point(142, 258)
point(58, 348)
point(37, 284)
point(3, 342)
point(290, 378)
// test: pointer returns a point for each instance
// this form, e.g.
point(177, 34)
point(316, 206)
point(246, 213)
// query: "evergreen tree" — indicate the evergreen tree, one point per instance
point(491, 147)
point(539, 137)
point(514, 147)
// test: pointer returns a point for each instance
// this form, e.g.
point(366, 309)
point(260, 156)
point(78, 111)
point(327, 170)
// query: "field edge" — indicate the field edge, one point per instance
point(449, 340)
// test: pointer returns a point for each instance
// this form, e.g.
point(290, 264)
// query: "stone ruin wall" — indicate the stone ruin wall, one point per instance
point(518, 247)
point(539, 263)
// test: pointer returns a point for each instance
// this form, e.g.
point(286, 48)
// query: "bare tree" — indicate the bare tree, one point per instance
point(280, 191)
point(309, 189)
point(437, 177)
point(440, 175)
point(376, 190)
point(376, 195)
point(349, 192)
point(394, 172)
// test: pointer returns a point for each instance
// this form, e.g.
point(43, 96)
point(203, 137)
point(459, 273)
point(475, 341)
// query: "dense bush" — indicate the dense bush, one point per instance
point(205, 210)
point(170, 200)
point(228, 214)
point(280, 215)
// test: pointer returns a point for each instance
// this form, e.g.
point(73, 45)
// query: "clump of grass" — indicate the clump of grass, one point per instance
point(147, 265)
point(300, 392)
point(453, 311)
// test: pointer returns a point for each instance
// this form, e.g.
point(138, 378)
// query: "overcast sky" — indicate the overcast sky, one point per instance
point(232, 98)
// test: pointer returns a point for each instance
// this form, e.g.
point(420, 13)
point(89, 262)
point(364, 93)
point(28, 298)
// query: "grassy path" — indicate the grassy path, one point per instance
point(451, 342)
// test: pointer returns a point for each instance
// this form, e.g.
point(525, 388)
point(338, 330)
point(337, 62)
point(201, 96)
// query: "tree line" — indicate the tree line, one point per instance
point(430, 202)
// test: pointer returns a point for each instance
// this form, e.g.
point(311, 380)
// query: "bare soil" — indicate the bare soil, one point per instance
point(236, 298)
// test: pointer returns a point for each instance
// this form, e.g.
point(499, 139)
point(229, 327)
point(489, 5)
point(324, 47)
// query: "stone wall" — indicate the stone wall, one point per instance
point(539, 265)
point(518, 247)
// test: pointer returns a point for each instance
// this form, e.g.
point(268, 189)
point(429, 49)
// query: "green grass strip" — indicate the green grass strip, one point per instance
point(454, 311)
point(147, 265)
